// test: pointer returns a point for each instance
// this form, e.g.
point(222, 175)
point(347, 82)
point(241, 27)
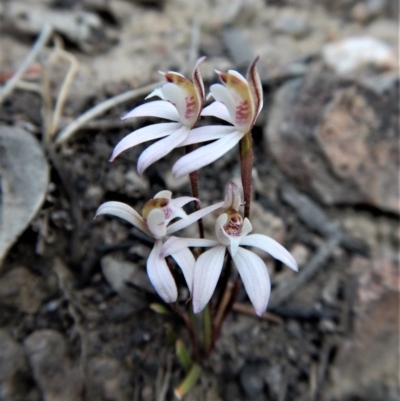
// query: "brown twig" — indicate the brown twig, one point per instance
point(249, 310)
point(286, 290)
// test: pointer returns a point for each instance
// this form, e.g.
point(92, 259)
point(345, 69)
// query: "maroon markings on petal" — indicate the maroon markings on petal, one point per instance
point(198, 80)
point(255, 86)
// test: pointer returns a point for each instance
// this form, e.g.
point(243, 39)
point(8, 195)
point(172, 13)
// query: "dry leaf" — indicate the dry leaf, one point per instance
point(24, 177)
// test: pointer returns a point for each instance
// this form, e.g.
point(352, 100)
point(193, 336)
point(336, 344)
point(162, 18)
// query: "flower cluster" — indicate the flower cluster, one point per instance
point(238, 101)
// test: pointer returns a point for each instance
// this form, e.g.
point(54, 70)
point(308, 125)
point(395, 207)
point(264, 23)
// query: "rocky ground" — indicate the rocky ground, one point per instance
point(74, 296)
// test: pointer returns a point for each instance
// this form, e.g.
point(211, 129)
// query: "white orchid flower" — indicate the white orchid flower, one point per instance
point(157, 214)
point(182, 101)
point(232, 233)
point(237, 101)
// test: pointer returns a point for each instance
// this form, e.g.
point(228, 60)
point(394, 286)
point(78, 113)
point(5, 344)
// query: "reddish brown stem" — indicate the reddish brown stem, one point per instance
point(194, 183)
point(246, 167)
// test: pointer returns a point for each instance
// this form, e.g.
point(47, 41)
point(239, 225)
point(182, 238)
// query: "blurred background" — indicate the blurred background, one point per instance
point(75, 323)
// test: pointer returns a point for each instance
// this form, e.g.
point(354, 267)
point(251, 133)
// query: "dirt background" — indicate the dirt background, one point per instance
point(74, 316)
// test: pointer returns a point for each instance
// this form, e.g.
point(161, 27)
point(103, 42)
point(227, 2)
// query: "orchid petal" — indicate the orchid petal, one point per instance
point(163, 194)
point(207, 133)
point(219, 110)
point(156, 92)
point(160, 275)
point(255, 278)
point(175, 212)
point(161, 148)
point(220, 233)
point(255, 87)
point(198, 81)
point(206, 274)
point(224, 95)
point(157, 223)
point(205, 155)
point(142, 135)
point(234, 244)
point(185, 259)
point(125, 212)
point(182, 201)
point(246, 227)
point(175, 95)
point(181, 224)
point(175, 244)
point(158, 108)
point(272, 247)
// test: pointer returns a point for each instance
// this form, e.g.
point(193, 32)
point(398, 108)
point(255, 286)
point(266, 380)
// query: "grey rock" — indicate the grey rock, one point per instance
point(23, 290)
point(14, 371)
point(119, 272)
point(337, 141)
point(108, 380)
point(53, 372)
point(294, 26)
point(252, 379)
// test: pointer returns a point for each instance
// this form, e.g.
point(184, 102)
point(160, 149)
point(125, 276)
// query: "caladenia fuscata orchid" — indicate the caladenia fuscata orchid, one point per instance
point(182, 102)
point(238, 101)
point(232, 232)
point(156, 215)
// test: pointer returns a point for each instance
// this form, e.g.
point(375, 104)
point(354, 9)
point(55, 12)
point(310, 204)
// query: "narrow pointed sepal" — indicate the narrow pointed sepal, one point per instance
point(125, 212)
point(272, 247)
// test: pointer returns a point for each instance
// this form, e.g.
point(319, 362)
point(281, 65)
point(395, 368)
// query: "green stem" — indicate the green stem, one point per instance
point(188, 382)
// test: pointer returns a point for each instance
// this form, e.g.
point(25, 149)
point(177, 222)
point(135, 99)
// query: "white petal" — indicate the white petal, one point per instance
point(206, 274)
point(163, 194)
point(161, 148)
point(175, 244)
point(186, 262)
point(246, 227)
point(174, 94)
point(234, 246)
point(205, 155)
point(219, 110)
point(179, 225)
point(207, 133)
point(125, 212)
point(173, 212)
point(274, 248)
point(156, 92)
point(182, 201)
point(158, 108)
point(160, 275)
point(255, 278)
point(144, 134)
point(224, 95)
point(157, 223)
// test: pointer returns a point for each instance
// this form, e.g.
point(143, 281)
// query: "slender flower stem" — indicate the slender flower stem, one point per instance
point(207, 326)
point(194, 183)
point(246, 166)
